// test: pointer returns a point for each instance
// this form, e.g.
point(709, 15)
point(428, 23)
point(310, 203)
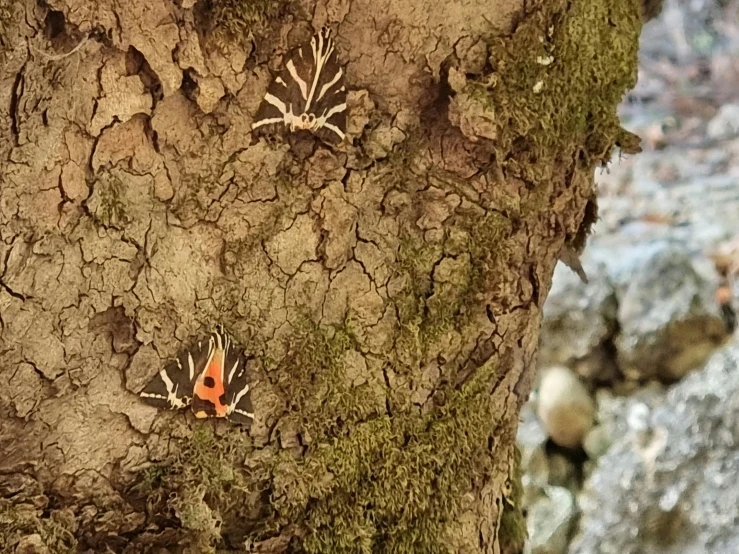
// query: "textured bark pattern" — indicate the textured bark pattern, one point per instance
point(369, 283)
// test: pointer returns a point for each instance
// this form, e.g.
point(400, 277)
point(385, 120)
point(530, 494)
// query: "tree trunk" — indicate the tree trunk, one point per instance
point(388, 291)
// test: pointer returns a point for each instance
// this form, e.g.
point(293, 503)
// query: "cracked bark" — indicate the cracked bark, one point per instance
point(390, 288)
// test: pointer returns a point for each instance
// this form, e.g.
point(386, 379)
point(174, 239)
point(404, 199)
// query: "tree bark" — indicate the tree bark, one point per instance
point(388, 292)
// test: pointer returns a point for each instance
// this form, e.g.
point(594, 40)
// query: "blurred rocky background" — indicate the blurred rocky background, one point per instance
point(630, 442)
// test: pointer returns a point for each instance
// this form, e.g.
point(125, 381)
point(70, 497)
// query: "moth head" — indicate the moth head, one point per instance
point(325, 32)
point(306, 121)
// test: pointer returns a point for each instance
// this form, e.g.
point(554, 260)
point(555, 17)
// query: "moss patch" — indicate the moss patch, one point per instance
point(314, 382)
point(19, 521)
point(206, 487)
point(443, 282)
point(555, 83)
point(105, 203)
point(391, 484)
point(240, 17)
point(416, 261)
point(513, 531)
point(488, 248)
point(381, 484)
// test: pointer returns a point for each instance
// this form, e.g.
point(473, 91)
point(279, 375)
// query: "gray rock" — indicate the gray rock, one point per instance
point(725, 123)
point(671, 486)
point(579, 321)
point(619, 415)
point(697, 207)
point(550, 519)
point(669, 318)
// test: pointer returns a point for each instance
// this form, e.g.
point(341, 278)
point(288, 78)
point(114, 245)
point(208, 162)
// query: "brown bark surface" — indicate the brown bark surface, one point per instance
point(388, 291)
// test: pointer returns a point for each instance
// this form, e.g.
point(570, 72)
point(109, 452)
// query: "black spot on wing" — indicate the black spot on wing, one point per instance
point(202, 405)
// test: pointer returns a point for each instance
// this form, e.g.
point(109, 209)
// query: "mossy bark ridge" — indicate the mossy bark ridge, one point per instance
point(387, 290)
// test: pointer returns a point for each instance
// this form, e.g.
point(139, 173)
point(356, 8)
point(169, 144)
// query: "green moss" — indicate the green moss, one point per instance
point(556, 82)
point(367, 483)
point(240, 17)
point(489, 250)
point(391, 484)
point(206, 486)
point(105, 202)
point(416, 261)
point(471, 257)
point(18, 521)
point(444, 305)
point(315, 384)
point(513, 531)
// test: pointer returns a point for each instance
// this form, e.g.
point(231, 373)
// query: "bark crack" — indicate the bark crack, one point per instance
point(7, 287)
point(17, 92)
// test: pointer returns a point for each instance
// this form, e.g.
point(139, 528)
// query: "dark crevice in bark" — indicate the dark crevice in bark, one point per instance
point(17, 91)
point(37, 370)
point(54, 24)
point(137, 64)
point(189, 86)
point(5, 286)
